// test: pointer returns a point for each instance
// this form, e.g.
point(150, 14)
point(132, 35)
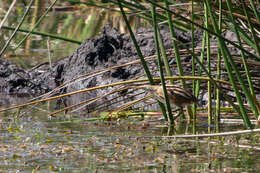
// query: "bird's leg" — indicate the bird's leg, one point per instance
point(178, 114)
point(180, 110)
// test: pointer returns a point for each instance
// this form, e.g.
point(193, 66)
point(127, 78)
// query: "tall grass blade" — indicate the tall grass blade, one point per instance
point(17, 28)
point(229, 4)
point(254, 5)
point(7, 13)
point(194, 106)
point(217, 112)
point(175, 47)
point(36, 24)
point(156, 39)
point(164, 57)
point(146, 69)
point(251, 55)
point(252, 30)
point(224, 52)
point(227, 56)
point(209, 68)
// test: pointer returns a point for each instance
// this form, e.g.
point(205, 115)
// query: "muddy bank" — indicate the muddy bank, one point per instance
point(110, 49)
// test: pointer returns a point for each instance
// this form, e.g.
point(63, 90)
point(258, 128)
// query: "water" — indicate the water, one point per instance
point(35, 142)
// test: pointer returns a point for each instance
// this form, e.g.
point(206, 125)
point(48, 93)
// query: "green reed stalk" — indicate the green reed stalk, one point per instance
point(17, 28)
point(229, 4)
point(226, 97)
point(251, 55)
point(146, 69)
point(197, 88)
point(156, 39)
point(36, 24)
point(175, 47)
point(194, 107)
point(7, 13)
point(209, 68)
point(44, 34)
point(141, 10)
point(227, 56)
point(255, 10)
point(204, 69)
point(251, 27)
point(243, 35)
point(164, 56)
point(217, 113)
point(192, 43)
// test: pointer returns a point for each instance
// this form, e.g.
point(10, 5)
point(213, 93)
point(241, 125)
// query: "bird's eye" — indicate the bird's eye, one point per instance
point(172, 92)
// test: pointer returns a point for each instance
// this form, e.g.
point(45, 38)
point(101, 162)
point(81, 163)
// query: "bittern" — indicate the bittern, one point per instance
point(177, 96)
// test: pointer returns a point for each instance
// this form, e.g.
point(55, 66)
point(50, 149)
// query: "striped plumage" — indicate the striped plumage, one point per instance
point(177, 96)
